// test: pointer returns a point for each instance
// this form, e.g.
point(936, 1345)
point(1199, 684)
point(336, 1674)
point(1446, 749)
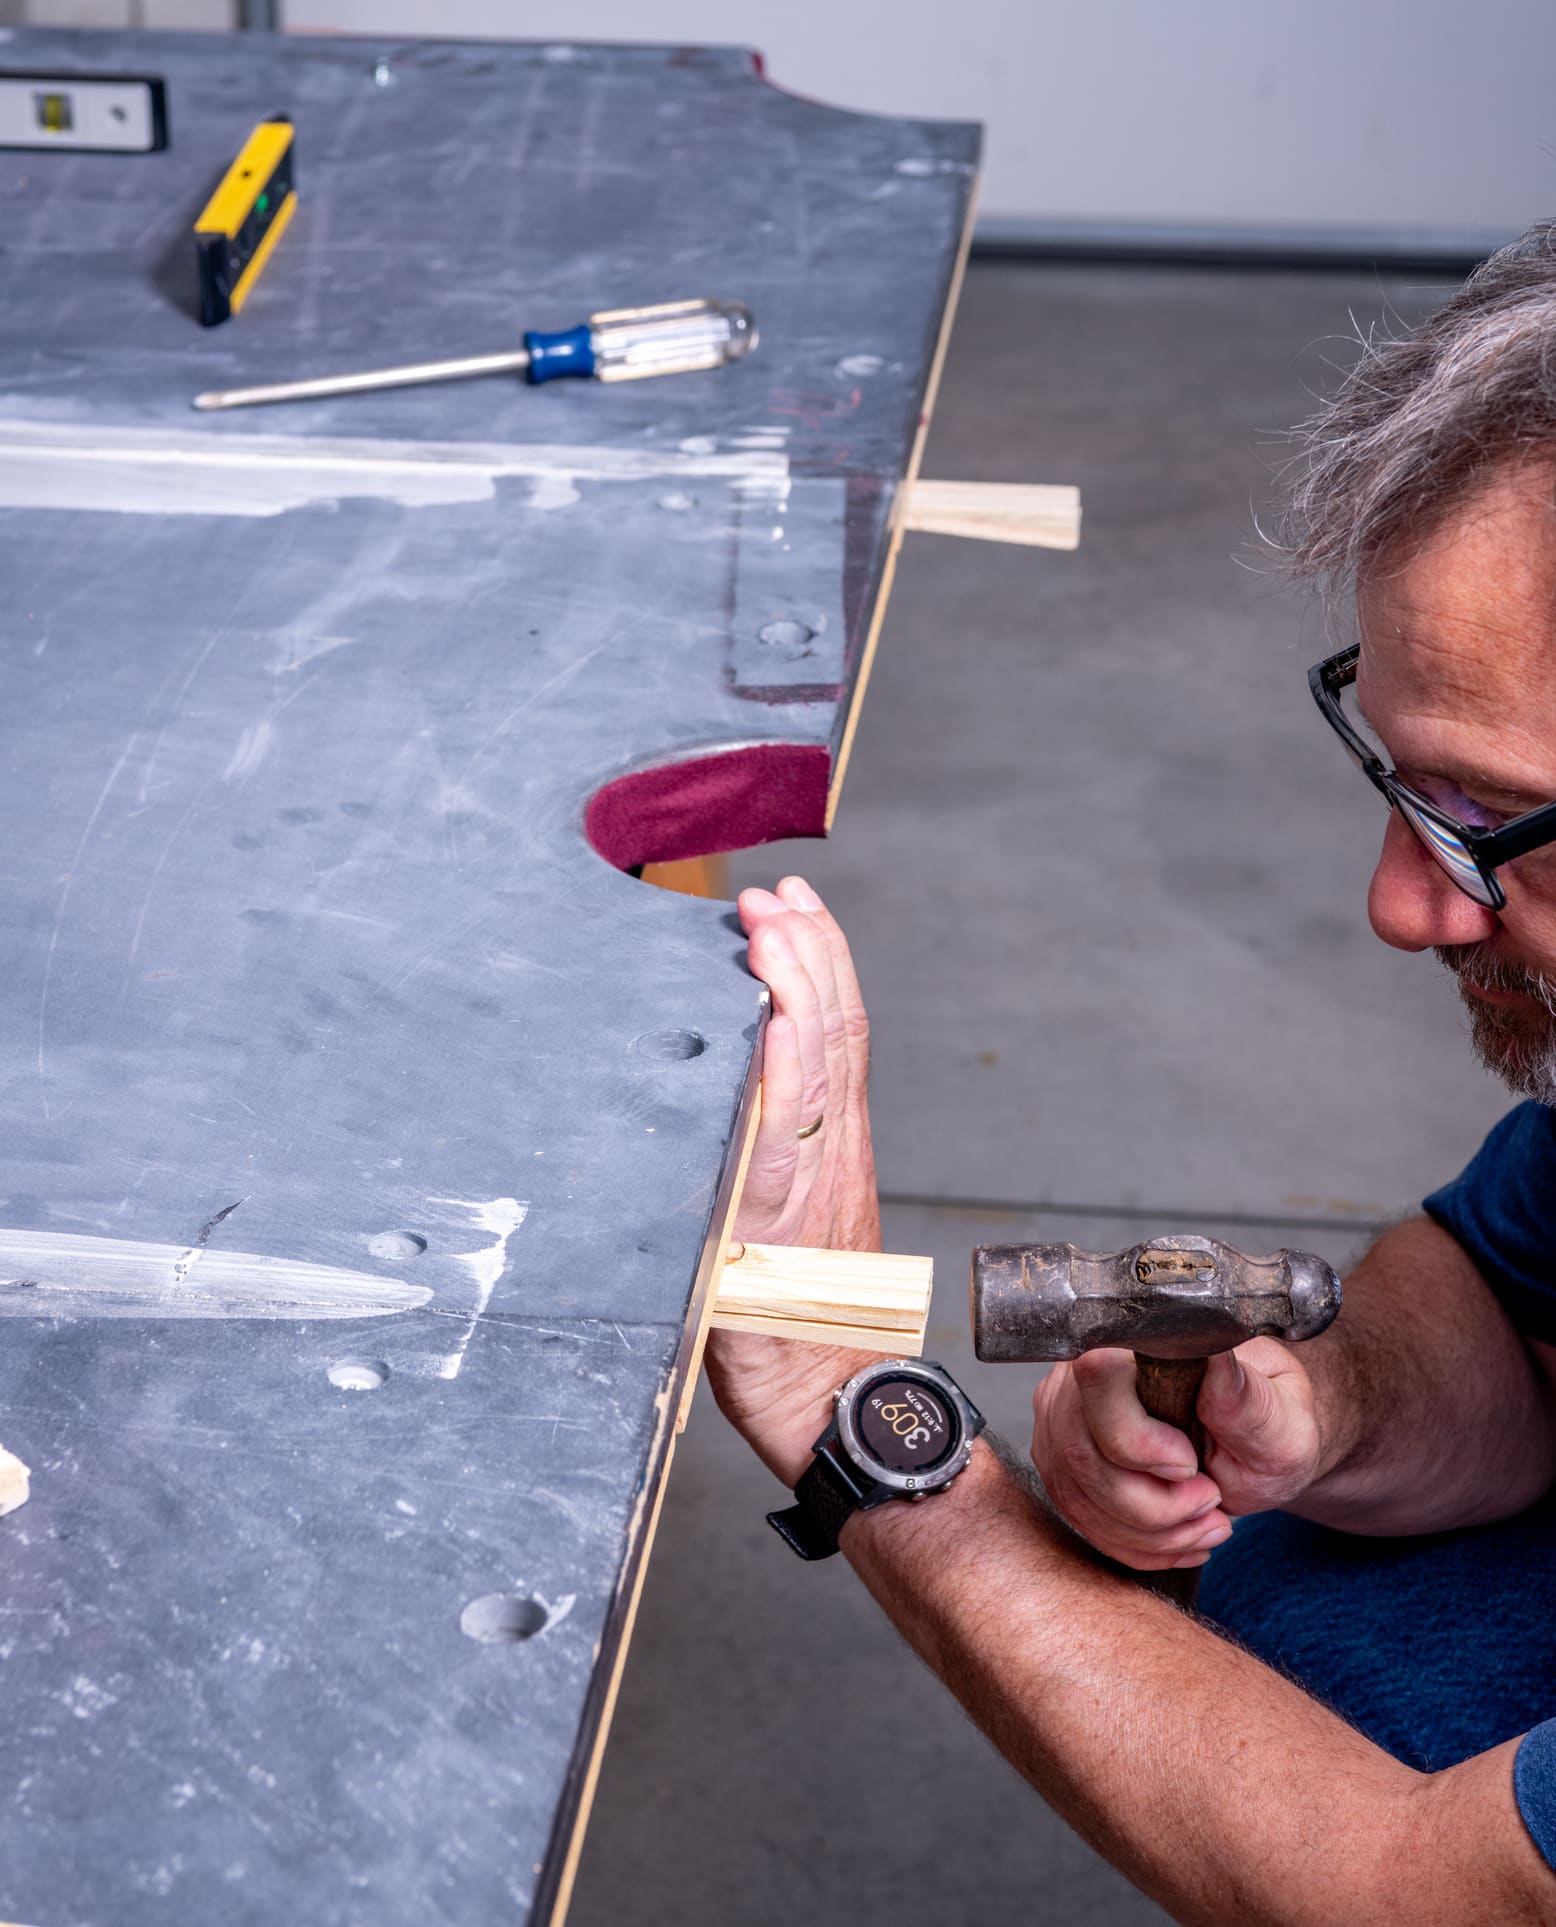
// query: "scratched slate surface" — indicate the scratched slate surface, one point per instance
point(325, 1040)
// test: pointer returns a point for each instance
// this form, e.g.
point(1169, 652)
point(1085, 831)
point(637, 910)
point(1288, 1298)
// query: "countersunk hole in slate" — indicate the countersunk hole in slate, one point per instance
point(397, 1246)
point(358, 1374)
point(502, 1619)
point(670, 1046)
point(786, 634)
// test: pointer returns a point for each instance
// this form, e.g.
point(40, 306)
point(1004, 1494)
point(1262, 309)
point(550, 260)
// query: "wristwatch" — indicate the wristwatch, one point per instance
point(900, 1429)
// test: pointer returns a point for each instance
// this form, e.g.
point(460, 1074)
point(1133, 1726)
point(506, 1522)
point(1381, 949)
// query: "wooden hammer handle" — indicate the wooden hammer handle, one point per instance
point(1169, 1390)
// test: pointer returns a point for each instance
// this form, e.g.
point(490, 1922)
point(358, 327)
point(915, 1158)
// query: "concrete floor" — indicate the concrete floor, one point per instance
point(1105, 873)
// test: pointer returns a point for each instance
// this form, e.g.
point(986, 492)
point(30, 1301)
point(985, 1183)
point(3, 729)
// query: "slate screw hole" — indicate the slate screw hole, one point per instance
point(397, 1246)
point(502, 1619)
point(358, 1374)
point(670, 1046)
point(786, 634)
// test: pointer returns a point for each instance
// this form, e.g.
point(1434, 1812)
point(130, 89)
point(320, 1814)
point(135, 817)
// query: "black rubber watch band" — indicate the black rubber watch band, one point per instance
point(825, 1501)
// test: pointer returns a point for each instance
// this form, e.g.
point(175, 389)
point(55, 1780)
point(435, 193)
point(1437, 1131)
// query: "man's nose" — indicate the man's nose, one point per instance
point(1413, 903)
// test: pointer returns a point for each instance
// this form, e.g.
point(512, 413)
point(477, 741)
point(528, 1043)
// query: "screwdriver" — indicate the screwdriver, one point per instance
point(623, 344)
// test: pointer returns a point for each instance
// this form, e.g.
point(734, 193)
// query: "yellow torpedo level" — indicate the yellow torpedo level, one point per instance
point(242, 221)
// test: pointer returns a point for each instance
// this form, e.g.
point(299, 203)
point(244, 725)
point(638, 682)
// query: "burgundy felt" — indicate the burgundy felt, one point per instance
point(729, 801)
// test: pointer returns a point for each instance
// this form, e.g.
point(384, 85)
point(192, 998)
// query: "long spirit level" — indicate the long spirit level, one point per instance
point(89, 113)
point(243, 220)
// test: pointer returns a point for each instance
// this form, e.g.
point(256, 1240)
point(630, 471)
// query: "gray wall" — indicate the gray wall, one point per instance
point(173, 16)
point(1428, 119)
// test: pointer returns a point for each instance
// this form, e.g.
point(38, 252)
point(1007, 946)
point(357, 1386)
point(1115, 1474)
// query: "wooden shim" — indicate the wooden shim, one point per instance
point(13, 1482)
point(1040, 515)
point(870, 1300)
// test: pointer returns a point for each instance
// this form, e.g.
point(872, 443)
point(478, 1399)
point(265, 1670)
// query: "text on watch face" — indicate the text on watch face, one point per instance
point(904, 1425)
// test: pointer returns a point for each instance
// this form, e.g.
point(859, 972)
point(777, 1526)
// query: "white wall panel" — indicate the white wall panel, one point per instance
point(1431, 119)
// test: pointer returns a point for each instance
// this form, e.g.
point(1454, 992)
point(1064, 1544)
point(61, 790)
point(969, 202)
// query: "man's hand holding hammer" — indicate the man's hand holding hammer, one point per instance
point(1132, 1484)
point(1212, 1782)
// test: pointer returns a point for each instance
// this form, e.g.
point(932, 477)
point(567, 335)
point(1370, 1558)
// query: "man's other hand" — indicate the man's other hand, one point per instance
point(817, 1189)
point(1130, 1484)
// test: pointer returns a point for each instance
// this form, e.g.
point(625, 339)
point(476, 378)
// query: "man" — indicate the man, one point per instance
point(1379, 1454)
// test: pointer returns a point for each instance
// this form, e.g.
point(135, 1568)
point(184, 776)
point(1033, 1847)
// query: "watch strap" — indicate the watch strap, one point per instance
point(825, 1500)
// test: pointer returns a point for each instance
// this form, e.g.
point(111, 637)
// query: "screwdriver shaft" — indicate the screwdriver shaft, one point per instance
point(410, 377)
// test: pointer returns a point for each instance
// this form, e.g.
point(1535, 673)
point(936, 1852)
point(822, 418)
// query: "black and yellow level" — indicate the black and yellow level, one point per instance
point(243, 220)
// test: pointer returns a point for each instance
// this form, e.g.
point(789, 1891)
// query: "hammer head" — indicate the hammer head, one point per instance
point(1169, 1298)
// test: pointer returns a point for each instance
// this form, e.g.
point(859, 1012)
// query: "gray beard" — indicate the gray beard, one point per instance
point(1519, 1046)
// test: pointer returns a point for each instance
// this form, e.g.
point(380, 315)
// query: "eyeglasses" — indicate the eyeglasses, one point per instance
point(1470, 853)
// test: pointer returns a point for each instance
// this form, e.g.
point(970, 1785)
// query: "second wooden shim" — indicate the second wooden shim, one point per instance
point(1035, 514)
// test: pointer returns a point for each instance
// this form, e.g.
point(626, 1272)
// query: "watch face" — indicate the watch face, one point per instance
point(905, 1424)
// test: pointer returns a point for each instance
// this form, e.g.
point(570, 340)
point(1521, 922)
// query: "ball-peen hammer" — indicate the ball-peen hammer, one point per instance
point(1174, 1302)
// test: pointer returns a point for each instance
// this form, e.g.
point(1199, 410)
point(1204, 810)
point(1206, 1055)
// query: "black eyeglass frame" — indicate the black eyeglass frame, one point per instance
point(1486, 849)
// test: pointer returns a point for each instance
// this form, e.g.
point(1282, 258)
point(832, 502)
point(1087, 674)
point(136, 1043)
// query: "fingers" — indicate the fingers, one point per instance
point(813, 934)
point(758, 906)
point(819, 1189)
point(1099, 1454)
point(1128, 1482)
point(810, 942)
point(1256, 1405)
point(777, 962)
point(775, 1154)
point(796, 891)
point(1125, 1432)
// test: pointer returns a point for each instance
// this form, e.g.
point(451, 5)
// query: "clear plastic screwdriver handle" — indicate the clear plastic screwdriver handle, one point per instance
point(676, 338)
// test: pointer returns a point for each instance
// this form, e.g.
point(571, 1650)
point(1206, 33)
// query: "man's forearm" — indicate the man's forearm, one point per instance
point(1215, 1785)
point(1433, 1411)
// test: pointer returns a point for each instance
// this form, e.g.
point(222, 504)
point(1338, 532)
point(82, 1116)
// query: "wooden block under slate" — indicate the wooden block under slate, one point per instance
point(14, 1484)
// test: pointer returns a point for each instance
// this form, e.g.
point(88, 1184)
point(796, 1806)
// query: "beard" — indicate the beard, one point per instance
point(1516, 1042)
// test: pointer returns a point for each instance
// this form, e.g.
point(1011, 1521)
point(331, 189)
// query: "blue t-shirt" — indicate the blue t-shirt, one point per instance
point(1437, 1646)
point(1502, 1210)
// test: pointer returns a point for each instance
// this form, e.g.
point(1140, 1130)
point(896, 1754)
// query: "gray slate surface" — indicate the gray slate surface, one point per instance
point(1074, 1027)
point(305, 963)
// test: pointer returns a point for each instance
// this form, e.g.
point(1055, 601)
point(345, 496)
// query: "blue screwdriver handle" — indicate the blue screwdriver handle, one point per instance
point(568, 352)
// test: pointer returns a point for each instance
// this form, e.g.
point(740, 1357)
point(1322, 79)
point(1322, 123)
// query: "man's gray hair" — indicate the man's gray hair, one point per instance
point(1422, 419)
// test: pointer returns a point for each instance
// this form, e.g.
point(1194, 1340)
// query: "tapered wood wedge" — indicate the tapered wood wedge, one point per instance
point(13, 1485)
point(872, 1300)
point(1038, 515)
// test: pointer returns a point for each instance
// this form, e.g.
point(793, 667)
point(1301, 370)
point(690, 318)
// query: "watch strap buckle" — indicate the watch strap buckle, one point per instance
point(803, 1533)
point(825, 1499)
